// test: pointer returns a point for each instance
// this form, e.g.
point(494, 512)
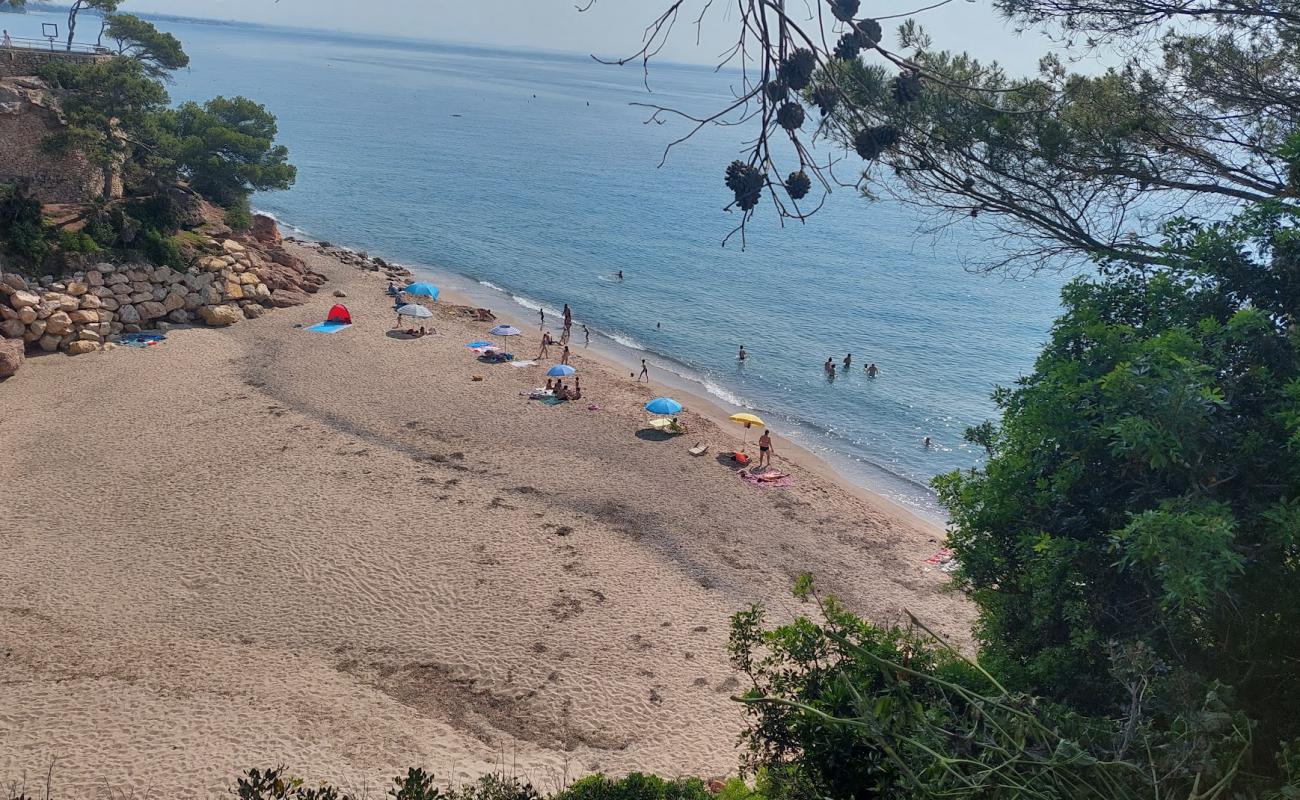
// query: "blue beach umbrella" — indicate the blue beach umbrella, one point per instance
point(505, 330)
point(560, 371)
point(422, 289)
point(412, 310)
point(663, 405)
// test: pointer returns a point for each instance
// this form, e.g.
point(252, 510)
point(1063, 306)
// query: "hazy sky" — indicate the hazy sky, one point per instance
point(611, 27)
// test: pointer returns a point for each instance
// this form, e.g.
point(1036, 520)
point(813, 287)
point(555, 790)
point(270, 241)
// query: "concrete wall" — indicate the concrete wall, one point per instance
point(19, 61)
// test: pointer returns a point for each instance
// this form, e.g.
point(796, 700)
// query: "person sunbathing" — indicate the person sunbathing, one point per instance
point(550, 385)
point(677, 426)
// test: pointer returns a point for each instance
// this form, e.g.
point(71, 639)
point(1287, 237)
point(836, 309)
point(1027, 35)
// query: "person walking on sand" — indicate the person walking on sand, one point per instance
point(586, 335)
point(765, 450)
point(564, 357)
point(7, 41)
point(645, 372)
point(546, 344)
point(872, 370)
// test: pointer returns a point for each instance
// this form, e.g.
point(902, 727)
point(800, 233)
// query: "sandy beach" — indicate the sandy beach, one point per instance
point(262, 545)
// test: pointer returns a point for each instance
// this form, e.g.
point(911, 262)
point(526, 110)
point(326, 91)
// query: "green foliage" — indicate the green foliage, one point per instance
point(843, 710)
point(240, 215)
point(77, 242)
point(226, 148)
point(161, 249)
point(22, 229)
point(1144, 488)
point(635, 786)
point(136, 38)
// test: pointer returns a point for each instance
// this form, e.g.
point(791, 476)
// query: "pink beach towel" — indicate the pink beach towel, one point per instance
point(767, 480)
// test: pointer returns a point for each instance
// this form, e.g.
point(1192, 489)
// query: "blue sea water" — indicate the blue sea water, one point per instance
point(529, 178)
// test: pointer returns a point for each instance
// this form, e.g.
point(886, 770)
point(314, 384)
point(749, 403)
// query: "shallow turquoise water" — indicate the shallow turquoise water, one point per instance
point(546, 184)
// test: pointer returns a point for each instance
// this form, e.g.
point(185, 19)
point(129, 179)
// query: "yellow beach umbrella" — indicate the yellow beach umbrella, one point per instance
point(747, 420)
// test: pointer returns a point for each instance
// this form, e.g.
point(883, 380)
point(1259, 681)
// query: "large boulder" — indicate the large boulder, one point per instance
point(84, 316)
point(265, 230)
point(220, 315)
point(232, 247)
point(90, 301)
point(11, 356)
point(233, 291)
point(82, 346)
point(151, 309)
point(49, 342)
point(27, 315)
point(128, 315)
point(14, 281)
point(22, 298)
point(284, 298)
point(77, 288)
point(173, 301)
point(58, 323)
point(35, 331)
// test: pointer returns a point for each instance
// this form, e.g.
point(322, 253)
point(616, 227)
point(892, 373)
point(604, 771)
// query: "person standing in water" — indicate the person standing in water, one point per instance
point(848, 362)
point(765, 450)
point(742, 355)
point(586, 335)
point(541, 317)
point(645, 372)
point(830, 367)
point(926, 442)
point(620, 274)
point(872, 370)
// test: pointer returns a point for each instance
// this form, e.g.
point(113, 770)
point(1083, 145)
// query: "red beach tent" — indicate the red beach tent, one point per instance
point(339, 315)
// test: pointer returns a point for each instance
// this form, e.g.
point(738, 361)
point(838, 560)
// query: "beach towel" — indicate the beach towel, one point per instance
point(328, 327)
point(766, 480)
point(551, 400)
point(523, 363)
point(943, 560)
point(141, 339)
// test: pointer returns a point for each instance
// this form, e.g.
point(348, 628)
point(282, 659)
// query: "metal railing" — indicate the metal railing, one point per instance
point(55, 46)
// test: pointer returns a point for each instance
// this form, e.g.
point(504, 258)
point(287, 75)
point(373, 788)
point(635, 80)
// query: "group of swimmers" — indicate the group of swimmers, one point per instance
point(871, 369)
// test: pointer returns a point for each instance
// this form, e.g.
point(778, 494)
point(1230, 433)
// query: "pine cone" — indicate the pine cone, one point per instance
point(871, 142)
point(870, 32)
point(844, 10)
point(776, 91)
point(746, 183)
point(848, 47)
point(790, 116)
point(907, 87)
point(826, 98)
point(797, 69)
point(735, 173)
point(798, 185)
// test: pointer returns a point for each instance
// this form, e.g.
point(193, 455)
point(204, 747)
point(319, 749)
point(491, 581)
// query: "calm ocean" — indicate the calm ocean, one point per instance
point(529, 178)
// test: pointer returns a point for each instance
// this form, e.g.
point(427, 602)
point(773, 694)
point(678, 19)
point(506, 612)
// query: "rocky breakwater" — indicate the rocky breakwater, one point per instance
point(229, 280)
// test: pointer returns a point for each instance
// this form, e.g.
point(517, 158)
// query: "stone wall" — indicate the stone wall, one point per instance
point(21, 61)
point(229, 282)
point(28, 114)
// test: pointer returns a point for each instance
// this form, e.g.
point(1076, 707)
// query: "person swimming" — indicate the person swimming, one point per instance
point(926, 442)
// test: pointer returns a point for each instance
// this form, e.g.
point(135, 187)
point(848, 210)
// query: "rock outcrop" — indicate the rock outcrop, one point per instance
point(229, 281)
point(11, 356)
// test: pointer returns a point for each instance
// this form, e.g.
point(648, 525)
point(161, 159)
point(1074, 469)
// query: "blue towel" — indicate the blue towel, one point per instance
point(329, 327)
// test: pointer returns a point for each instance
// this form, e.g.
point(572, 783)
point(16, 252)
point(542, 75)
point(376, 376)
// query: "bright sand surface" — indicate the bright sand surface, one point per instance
point(264, 545)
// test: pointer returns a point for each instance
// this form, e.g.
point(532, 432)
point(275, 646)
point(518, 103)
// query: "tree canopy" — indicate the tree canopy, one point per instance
point(226, 149)
point(159, 52)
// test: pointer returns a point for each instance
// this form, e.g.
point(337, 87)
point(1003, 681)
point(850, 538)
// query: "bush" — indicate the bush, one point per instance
point(635, 786)
point(240, 215)
point(27, 240)
point(78, 242)
point(162, 250)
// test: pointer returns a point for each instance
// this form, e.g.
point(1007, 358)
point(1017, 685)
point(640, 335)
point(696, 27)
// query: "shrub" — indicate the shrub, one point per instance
point(635, 786)
point(240, 215)
point(78, 242)
point(162, 250)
